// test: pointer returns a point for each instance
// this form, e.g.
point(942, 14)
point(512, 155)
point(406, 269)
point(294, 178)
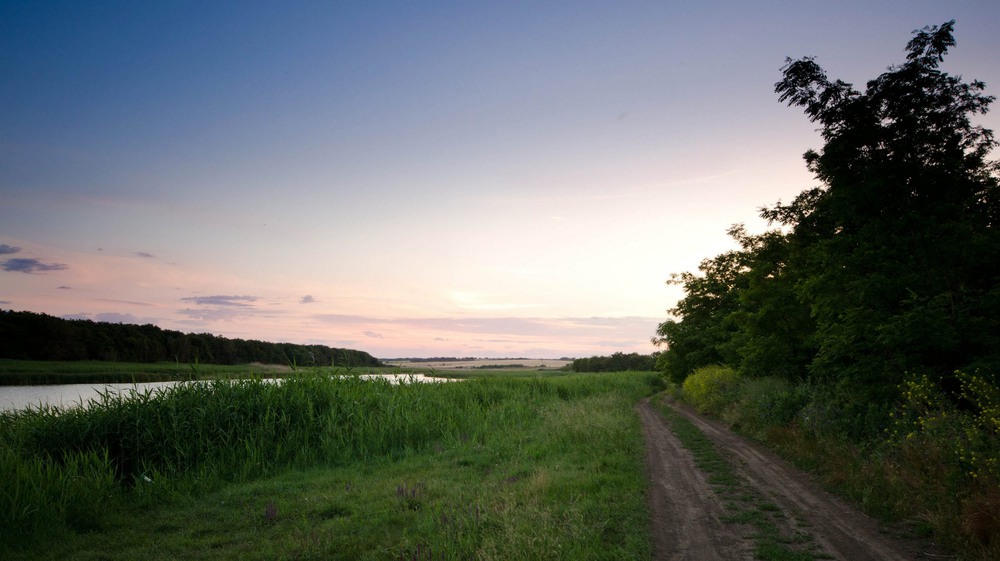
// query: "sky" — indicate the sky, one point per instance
point(412, 179)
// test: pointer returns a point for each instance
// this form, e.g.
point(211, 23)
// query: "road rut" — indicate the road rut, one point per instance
point(686, 512)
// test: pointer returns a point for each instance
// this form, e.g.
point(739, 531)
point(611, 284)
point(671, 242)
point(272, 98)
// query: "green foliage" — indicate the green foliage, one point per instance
point(617, 362)
point(891, 265)
point(711, 388)
point(38, 491)
point(701, 337)
point(762, 403)
point(844, 411)
point(964, 429)
point(899, 251)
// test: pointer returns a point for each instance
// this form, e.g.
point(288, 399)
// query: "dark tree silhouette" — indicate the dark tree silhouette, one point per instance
point(890, 266)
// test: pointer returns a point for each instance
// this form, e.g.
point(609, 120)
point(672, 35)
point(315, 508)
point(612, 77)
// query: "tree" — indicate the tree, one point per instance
point(890, 266)
point(899, 246)
point(703, 330)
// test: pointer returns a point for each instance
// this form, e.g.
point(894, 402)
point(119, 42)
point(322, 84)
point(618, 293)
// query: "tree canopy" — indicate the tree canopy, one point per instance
point(890, 266)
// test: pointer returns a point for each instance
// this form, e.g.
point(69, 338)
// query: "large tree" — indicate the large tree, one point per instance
point(891, 265)
point(899, 245)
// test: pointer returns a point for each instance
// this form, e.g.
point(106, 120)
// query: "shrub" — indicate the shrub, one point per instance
point(711, 388)
point(951, 443)
point(967, 428)
point(842, 411)
point(765, 402)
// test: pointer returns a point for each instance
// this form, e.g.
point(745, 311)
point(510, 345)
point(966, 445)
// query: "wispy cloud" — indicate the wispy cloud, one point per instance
point(212, 314)
point(222, 308)
point(307, 299)
point(64, 287)
point(144, 255)
point(7, 249)
point(131, 302)
point(26, 265)
point(239, 301)
point(373, 335)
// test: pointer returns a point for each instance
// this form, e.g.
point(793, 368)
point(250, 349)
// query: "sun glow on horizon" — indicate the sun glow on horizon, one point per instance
point(435, 181)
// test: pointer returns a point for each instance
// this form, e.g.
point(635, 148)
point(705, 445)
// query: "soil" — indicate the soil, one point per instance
point(686, 512)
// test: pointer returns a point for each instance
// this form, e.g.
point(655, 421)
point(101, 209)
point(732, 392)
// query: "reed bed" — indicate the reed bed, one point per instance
point(69, 466)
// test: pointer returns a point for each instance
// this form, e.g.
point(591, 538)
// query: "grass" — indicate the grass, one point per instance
point(744, 505)
point(324, 467)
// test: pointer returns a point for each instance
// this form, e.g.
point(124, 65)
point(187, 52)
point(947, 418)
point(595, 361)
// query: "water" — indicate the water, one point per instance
point(16, 398)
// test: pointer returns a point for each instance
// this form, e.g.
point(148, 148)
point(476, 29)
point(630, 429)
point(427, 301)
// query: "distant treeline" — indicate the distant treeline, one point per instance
point(617, 362)
point(34, 336)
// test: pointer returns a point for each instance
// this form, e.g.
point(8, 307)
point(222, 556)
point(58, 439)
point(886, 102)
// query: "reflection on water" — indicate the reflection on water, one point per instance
point(14, 398)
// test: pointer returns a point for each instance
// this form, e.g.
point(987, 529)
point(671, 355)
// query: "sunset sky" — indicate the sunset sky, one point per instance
point(412, 178)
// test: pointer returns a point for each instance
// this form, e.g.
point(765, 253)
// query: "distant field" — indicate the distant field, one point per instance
point(485, 363)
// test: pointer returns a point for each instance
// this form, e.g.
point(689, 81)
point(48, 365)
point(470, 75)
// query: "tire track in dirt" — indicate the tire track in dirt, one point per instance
point(836, 526)
point(685, 512)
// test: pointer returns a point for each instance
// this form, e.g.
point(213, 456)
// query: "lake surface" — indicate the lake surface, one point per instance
point(16, 398)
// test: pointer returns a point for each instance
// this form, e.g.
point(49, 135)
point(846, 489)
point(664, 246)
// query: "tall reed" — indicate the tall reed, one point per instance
point(69, 464)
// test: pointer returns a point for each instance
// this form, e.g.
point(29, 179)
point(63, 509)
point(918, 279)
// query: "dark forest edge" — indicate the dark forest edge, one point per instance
point(41, 337)
point(860, 336)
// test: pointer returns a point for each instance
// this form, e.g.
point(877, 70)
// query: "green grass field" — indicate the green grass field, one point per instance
point(323, 467)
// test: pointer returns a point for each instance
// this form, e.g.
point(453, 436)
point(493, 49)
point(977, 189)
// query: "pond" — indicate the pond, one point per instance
point(16, 398)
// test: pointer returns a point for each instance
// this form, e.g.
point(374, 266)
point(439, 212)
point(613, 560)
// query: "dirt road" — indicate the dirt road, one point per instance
point(686, 512)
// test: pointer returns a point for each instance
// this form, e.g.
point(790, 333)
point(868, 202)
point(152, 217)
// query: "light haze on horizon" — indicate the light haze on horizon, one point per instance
point(412, 179)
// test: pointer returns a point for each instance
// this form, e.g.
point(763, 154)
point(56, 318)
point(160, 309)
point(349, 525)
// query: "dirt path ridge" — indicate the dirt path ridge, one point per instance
point(685, 511)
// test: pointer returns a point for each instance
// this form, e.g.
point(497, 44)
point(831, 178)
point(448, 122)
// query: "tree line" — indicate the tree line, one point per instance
point(35, 336)
point(888, 268)
point(617, 362)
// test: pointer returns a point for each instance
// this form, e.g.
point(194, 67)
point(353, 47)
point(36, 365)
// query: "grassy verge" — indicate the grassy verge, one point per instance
point(484, 469)
point(743, 504)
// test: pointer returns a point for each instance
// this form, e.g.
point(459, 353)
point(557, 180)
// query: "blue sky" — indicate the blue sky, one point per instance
point(411, 179)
